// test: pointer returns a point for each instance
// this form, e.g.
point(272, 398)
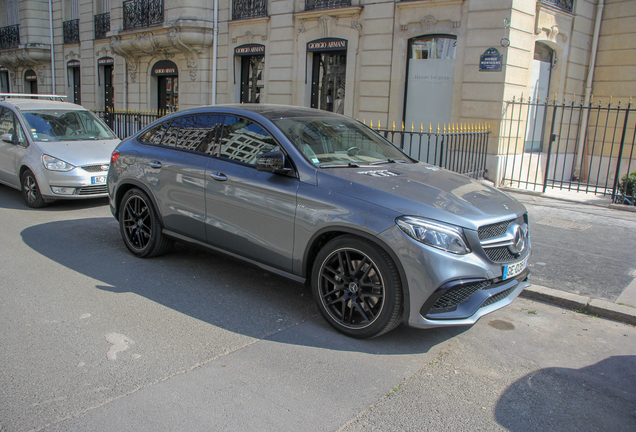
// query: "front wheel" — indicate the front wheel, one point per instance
point(31, 191)
point(140, 227)
point(357, 287)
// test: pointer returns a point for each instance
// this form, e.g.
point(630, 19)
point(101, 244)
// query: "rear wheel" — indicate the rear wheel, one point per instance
point(31, 191)
point(140, 227)
point(357, 287)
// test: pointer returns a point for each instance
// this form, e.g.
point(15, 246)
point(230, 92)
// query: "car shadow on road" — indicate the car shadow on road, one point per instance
point(211, 287)
point(12, 199)
point(597, 397)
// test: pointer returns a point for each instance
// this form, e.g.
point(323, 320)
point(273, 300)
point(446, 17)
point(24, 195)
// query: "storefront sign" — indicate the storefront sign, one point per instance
point(106, 61)
point(73, 64)
point(249, 49)
point(327, 44)
point(490, 61)
point(3, 69)
point(30, 75)
point(165, 68)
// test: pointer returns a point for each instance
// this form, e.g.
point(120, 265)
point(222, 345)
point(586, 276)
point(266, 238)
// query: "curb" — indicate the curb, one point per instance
point(601, 308)
point(620, 207)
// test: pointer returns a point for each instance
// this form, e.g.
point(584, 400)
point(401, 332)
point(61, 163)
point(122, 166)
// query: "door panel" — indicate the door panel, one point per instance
point(251, 213)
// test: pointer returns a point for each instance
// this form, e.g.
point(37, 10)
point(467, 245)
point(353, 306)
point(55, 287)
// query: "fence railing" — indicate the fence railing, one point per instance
point(246, 9)
point(71, 31)
point(326, 4)
point(128, 122)
point(568, 146)
point(142, 13)
point(102, 25)
point(461, 148)
point(10, 36)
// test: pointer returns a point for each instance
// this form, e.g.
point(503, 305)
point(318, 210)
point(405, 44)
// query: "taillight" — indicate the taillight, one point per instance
point(114, 156)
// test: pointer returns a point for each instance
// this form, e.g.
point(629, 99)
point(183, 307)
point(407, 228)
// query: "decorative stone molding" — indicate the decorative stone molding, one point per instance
point(72, 56)
point(429, 24)
point(327, 21)
point(102, 53)
point(551, 22)
point(29, 57)
point(416, 16)
point(192, 57)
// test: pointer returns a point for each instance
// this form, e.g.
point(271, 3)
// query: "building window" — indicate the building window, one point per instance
point(10, 36)
point(71, 31)
point(244, 9)
point(329, 73)
point(326, 4)
point(102, 25)
point(566, 5)
point(167, 75)
point(142, 13)
point(31, 82)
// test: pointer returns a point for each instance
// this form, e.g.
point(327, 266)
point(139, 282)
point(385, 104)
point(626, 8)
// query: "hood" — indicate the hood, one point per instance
point(424, 190)
point(80, 153)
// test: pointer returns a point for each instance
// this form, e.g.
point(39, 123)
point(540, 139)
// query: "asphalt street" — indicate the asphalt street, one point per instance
point(96, 340)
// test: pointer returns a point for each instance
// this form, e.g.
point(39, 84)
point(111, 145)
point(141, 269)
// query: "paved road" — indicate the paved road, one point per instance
point(94, 339)
point(581, 249)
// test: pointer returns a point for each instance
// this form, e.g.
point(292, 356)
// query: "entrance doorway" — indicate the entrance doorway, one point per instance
point(31, 82)
point(328, 81)
point(167, 85)
point(430, 80)
point(74, 77)
point(252, 78)
point(107, 79)
point(4, 80)
point(539, 88)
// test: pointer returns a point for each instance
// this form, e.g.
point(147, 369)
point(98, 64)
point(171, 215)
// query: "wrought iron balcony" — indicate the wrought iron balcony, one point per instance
point(326, 4)
point(566, 5)
point(10, 36)
point(102, 25)
point(71, 31)
point(244, 9)
point(142, 13)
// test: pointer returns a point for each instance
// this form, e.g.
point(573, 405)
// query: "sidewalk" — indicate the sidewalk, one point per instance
point(624, 309)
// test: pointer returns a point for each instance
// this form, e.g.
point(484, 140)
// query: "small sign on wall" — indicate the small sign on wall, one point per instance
point(490, 61)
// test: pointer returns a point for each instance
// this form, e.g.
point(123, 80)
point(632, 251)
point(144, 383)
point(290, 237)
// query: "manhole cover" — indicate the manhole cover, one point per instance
point(565, 224)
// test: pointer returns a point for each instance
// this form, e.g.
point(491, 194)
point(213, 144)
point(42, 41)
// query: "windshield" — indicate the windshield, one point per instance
point(338, 141)
point(65, 125)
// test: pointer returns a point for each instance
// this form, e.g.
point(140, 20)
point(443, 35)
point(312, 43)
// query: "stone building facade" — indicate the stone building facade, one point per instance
point(418, 62)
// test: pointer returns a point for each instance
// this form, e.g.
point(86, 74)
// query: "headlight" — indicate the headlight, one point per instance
point(436, 234)
point(55, 164)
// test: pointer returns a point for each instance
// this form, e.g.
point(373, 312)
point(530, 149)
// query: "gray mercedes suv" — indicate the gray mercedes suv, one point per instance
point(382, 239)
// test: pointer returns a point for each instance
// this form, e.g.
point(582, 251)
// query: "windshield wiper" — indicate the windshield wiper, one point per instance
point(387, 161)
point(349, 165)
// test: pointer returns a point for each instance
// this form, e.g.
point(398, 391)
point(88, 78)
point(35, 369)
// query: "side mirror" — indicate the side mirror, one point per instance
point(273, 162)
point(8, 138)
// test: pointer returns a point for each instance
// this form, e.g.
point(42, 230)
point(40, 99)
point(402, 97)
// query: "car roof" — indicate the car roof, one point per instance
point(268, 111)
point(36, 104)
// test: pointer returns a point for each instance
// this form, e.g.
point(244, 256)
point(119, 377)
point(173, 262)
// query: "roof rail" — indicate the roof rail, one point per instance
point(3, 96)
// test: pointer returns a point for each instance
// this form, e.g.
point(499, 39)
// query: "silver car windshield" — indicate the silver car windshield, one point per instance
point(65, 125)
point(332, 142)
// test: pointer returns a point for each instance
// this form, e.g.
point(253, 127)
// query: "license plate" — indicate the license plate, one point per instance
point(98, 179)
point(513, 270)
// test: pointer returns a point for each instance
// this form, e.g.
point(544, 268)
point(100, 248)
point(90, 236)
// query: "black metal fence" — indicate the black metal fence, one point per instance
point(569, 146)
point(142, 13)
point(326, 4)
point(71, 31)
point(459, 148)
point(10, 36)
point(245, 9)
point(128, 122)
point(102, 25)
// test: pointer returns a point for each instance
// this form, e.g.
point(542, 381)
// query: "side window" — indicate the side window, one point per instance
point(9, 125)
point(154, 135)
point(200, 133)
point(244, 140)
point(172, 134)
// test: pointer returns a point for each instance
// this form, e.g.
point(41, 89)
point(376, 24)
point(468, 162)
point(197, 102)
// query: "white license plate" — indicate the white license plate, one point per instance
point(513, 270)
point(98, 179)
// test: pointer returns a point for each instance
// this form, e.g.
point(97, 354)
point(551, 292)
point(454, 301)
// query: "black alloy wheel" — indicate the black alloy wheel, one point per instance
point(140, 227)
point(357, 287)
point(31, 191)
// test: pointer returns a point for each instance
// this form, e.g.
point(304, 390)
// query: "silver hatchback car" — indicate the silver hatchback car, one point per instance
point(382, 239)
point(53, 150)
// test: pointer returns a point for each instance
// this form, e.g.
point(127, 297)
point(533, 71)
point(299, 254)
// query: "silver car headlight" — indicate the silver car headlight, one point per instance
point(55, 164)
point(449, 238)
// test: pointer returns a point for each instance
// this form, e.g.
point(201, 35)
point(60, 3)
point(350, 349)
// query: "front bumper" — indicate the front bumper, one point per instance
point(74, 184)
point(442, 289)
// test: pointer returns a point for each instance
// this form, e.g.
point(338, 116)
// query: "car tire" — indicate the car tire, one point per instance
point(31, 191)
point(140, 226)
point(357, 287)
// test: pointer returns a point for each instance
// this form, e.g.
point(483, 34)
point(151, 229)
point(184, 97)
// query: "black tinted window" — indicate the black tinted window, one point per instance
point(172, 134)
point(154, 134)
point(244, 140)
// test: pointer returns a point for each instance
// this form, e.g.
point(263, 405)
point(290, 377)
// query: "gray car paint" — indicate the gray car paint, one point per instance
point(344, 200)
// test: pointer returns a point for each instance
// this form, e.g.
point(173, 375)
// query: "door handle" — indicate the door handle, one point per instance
point(218, 176)
point(154, 164)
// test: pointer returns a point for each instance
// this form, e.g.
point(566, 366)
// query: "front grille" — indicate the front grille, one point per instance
point(500, 254)
point(494, 230)
point(458, 295)
point(93, 190)
point(494, 299)
point(95, 168)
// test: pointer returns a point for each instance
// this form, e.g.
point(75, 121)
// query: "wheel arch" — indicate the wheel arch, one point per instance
point(131, 184)
point(323, 236)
